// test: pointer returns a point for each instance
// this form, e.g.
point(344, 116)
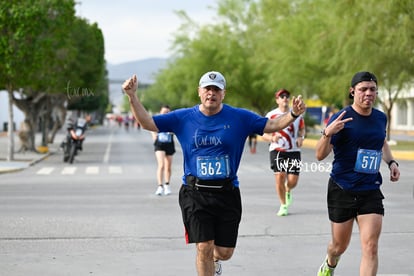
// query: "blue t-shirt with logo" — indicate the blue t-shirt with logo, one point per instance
point(212, 145)
point(358, 149)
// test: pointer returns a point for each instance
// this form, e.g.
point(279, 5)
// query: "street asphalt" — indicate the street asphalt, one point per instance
point(267, 244)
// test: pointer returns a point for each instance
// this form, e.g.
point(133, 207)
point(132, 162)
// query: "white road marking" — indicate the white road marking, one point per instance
point(108, 149)
point(115, 170)
point(45, 170)
point(69, 170)
point(92, 170)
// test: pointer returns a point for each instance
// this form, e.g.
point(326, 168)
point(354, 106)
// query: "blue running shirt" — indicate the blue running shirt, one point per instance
point(212, 145)
point(365, 134)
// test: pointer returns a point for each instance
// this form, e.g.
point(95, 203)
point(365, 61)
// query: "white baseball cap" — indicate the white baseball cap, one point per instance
point(213, 78)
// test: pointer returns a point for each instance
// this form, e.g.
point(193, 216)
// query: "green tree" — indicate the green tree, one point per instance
point(380, 42)
point(384, 46)
point(46, 49)
point(223, 47)
point(87, 88)
point(26, 49)
point(310, 47)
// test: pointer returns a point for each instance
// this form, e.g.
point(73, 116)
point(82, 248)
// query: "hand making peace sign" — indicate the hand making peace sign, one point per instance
point(336, 125)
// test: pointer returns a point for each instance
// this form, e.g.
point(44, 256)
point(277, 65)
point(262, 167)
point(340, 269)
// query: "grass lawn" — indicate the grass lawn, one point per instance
point(404, 145)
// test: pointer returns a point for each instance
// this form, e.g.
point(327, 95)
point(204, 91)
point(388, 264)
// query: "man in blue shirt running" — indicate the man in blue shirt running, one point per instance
point(212, 136)
point(357, 136)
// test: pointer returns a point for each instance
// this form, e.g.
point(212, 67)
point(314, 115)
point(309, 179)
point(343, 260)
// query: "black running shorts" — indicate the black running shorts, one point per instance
point(285, 161)
point(211, 215)
point(344, 205)
point(169, 148)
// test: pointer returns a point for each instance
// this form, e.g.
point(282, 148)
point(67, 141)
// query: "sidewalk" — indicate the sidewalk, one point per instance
point(25, 159)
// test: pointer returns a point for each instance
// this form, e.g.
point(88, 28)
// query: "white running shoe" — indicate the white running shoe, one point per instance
point(159, 190)
point(217, 268)
point(167, 190)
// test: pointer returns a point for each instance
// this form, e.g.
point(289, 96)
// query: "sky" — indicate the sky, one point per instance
point(141, 29)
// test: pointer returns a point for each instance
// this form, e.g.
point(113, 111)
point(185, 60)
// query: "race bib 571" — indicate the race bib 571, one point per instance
point(368, 161)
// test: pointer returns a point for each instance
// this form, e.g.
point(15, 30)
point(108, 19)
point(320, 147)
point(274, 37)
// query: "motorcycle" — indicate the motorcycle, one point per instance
point(74, 141)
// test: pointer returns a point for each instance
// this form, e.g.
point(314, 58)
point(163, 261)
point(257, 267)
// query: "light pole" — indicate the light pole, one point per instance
point(324, 108)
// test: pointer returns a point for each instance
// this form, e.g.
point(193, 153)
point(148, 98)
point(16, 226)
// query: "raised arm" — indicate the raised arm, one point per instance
point(280, 122)
point(140, 113)
point(324, 146)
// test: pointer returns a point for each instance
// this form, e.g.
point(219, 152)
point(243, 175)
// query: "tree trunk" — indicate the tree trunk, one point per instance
point(389, 124)
point(58, 117)
point(10, 130)
point(32, 131)
point(24, 137)
point(32, 107)
point(46, 114)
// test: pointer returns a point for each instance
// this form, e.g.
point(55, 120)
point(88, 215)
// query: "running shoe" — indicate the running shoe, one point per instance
point(159, 190)
point(167, 190)
point(325, 269)
point(283, 211)
point(217, 268)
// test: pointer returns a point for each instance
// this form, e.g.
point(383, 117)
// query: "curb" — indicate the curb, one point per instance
point(40, 159)
point(23, 165)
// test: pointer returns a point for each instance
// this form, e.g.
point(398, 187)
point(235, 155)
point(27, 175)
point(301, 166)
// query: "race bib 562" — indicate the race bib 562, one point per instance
point(213, 167)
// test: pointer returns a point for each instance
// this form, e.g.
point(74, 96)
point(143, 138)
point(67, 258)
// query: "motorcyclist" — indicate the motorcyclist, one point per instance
point(71, 126)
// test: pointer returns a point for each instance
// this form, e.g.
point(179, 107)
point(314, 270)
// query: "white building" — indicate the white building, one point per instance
point(402, 120)
point(4, 112)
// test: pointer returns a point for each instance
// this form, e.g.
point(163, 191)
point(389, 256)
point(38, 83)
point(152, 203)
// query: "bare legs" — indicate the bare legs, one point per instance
point(370, 226)
point(369, 230)
point(282, 187)
point(164, 167)
point(207, 253)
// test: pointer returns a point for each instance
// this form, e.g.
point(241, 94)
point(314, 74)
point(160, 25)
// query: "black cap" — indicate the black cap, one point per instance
point(362, 76)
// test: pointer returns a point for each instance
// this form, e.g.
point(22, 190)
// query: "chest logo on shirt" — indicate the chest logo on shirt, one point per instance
point(206, 140)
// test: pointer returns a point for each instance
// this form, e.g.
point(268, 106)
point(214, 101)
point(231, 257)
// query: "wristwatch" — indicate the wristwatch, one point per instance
point(323, 132)
point(392, 161)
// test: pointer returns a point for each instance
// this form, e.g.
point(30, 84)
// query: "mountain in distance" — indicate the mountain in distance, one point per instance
point(145, 70)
